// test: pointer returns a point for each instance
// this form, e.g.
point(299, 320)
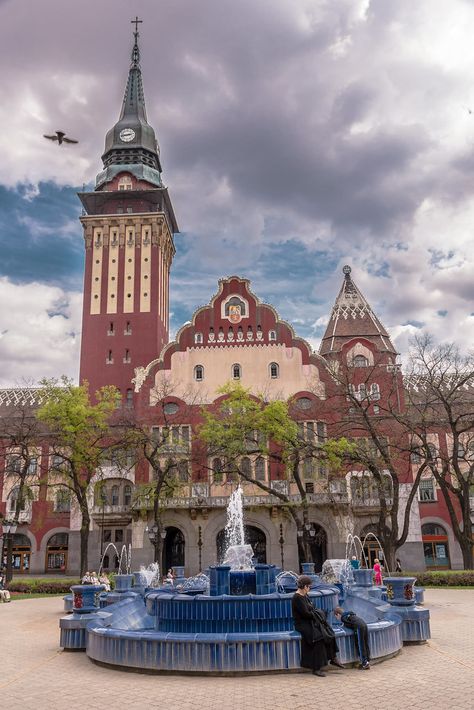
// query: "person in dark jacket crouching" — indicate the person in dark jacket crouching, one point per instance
point(361, 633)
point(318, 641)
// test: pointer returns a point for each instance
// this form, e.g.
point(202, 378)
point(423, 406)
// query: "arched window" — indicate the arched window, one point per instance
point(246, 466)
point(272, 335)
point(360, 361)
point(374, 391)
point(236, 372)
point(127, 495)
point(198, 338)
point(13, 499)
point(198, 373)
point(260, 468)
point(274, 370)
point(114, 495)
point(56, 552)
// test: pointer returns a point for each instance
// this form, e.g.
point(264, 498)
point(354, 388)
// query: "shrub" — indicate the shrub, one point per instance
point(42, 586)
point(442, 578)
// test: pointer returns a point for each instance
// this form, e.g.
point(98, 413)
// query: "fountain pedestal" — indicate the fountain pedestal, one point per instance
point(85, 607)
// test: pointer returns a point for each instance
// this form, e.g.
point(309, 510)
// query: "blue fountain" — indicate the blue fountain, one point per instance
point(237, 619)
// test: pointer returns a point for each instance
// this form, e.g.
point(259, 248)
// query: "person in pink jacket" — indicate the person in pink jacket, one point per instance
point(377, 572)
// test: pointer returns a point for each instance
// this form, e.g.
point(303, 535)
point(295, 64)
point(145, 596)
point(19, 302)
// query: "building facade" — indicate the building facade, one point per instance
point(129, 227)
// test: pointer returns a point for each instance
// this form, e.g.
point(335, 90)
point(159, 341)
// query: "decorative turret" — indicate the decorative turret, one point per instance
point(352, 317)
point(131, 143)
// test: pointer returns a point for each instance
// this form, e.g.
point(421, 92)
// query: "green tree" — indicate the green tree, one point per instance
point(243, 426)
point(80, 439)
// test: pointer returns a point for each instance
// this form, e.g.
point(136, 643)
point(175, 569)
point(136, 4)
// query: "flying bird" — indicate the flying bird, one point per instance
point(60, 137)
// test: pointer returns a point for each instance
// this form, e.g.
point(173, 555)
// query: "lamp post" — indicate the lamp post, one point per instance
point(282, 543)
point(199, 544)
point(154, 535)
point(9, 529)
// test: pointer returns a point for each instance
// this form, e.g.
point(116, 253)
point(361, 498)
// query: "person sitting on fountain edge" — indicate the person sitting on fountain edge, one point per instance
point(318, 641)
point(361, 633)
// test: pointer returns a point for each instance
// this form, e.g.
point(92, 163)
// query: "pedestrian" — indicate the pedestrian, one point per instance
point(398, 565)
point(377, 572)
point(4, 593)
point(318, 641)
point(361, 634)
point(355, 564)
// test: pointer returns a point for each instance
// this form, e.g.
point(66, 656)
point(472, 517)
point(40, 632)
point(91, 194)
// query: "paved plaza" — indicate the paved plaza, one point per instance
point(36, 674)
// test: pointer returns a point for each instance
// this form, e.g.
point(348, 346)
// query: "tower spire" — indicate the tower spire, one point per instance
point(352, 317)
point(132, 142)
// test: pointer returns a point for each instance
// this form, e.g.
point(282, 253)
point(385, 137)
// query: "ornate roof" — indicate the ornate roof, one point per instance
point(352, 317)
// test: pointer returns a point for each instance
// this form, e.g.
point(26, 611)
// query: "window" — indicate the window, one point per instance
point(111, 330)
point(127, 495)
point(129, 398)
point(183, 471)
point(274, 370)
point(14, 464)
point(304, 403)
point(309, 487)
point(321, 432)
point(127, 357)
point(272, 335)
point(32, 466)
point(119, 535)
point(260, 468)
point(170, 408)
point(246, 466)
point(128, 329)
point(109, 359)
point(114, 495)
point(427, 490)
point(236, 372)
point(217, 471)
point(62, 501)
point(57, 462)
point(374, 391)
point(198, 338)
point(360, 361)
point(13, 500)
point(199, 373)
point(433, 529)
point(415, 456)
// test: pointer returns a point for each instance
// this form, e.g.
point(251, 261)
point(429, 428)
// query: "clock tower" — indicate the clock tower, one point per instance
point(129, 224)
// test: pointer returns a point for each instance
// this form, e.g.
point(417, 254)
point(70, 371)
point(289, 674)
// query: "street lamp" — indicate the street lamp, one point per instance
point(154, 535)
point(200, 544)
point(9, 529)
point(282, 543)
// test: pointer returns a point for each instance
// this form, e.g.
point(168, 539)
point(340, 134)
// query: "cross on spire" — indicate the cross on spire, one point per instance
point(136, 22)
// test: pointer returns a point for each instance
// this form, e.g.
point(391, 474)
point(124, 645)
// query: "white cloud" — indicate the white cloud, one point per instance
point(40, 332)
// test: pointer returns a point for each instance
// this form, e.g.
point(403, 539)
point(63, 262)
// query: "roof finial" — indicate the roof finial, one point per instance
point(135, 50)
point(346, 270)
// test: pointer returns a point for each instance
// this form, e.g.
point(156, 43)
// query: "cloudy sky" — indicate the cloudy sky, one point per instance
point(296, 136)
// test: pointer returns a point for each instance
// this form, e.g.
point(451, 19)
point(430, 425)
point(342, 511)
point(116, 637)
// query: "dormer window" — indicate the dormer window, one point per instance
point(360, 361)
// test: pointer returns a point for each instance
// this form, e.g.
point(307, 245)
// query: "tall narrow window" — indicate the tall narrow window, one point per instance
point(198, 373)
point(111, 330)
point(127, 495)
point(128, 329)
point(236, 372)
point(129, 398)
point(127, 357)
point(110, 359)
point(198, 338)
point(274, 370)
point(260, 468)
point(272, 335)
point(114, 496)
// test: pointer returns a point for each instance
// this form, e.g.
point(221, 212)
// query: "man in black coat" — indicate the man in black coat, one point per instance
point(361, 633)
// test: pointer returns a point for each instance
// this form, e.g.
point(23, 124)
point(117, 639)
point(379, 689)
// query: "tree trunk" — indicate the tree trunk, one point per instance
point(466, 549)
point(85, 542)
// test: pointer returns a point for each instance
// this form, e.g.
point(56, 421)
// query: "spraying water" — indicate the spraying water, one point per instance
point(237, 554)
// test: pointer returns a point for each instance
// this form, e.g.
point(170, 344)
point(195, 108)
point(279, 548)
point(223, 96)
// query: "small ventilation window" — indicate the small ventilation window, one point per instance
point(236, 372)
point(199, 373)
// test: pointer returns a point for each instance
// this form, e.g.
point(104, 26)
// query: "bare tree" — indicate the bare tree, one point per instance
point(440, 398)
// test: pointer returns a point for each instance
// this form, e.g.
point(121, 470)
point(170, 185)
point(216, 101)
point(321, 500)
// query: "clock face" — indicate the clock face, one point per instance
point(127, 135)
